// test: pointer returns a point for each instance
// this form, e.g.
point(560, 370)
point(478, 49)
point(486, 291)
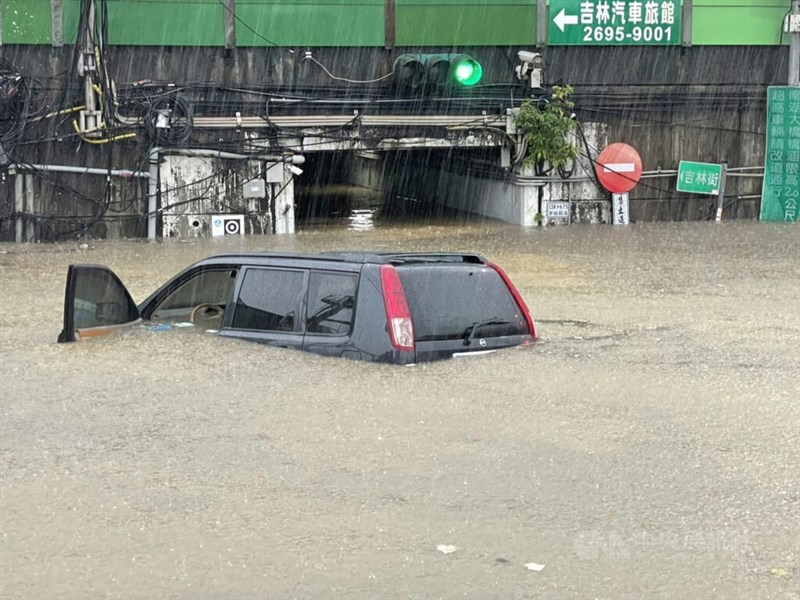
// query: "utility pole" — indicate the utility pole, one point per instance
point(90, 119)
point(794, 44)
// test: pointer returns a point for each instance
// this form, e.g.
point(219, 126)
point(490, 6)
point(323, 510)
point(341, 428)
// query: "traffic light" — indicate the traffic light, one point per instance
point(435, 72)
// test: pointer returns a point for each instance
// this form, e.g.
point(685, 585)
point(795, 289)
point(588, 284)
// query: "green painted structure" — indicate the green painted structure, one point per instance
point(780, 198)
point(360, 23)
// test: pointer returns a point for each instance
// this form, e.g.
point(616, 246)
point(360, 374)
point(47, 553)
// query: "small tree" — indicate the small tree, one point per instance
point(545, 130)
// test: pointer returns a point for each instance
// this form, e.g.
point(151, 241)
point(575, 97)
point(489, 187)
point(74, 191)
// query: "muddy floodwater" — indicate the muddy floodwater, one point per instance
point(648, 446)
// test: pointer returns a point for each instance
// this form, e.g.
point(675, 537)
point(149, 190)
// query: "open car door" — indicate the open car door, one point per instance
point(95, 303)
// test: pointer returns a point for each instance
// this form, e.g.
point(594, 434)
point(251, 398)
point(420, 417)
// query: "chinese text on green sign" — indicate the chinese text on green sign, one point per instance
point(780, 195)
point(615, 22)
point(699, 178)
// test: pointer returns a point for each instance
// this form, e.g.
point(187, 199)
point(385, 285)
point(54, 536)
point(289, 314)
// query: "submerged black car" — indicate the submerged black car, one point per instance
point(395, 308)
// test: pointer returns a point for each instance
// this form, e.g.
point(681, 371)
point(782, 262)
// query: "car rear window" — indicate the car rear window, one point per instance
point(447, 301)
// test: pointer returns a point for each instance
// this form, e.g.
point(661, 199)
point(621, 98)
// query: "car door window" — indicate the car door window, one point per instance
point(204, 292)
point(330, 304)
point(95, 299)
point(269, 300)
point(101, 300)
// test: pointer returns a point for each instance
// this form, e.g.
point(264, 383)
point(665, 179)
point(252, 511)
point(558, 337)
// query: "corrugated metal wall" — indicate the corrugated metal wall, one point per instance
point(358, 23)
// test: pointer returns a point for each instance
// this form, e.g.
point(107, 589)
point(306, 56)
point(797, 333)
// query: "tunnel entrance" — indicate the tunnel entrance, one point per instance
point(365, 189)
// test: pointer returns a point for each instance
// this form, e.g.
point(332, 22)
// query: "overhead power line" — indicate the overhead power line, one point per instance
point(253, 31)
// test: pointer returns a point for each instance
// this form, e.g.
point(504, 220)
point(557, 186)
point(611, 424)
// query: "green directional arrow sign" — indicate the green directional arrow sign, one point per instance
point(615, 22)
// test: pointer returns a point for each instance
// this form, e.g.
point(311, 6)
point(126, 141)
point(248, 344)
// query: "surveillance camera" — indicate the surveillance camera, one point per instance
point(294, 169)
point(531, 58)
point(531, 69)
point(295, 159)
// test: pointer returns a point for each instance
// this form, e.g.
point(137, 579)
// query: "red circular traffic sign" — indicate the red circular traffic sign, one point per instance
point(619, 168)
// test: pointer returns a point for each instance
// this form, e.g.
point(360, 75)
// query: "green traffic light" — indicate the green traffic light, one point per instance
point(467, 71)
point(429, 73)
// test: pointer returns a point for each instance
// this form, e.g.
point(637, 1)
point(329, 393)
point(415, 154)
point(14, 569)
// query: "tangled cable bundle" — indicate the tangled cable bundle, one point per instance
point(15, 97)
point(168, 121)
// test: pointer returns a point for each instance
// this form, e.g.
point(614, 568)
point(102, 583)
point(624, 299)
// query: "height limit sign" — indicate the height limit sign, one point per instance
point(614, 22)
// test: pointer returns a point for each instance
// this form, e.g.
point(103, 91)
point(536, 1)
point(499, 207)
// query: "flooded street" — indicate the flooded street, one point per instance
point(647, 447)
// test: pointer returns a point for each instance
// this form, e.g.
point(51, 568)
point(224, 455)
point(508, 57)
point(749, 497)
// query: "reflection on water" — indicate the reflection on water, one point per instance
point(362, 219)
point(336, 205)
point(356, 208)
point(648, 440)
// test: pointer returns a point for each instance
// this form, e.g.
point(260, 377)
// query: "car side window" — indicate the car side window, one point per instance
point(331, 297)
point(269, 300)
point(100, 299)
point(207, 288)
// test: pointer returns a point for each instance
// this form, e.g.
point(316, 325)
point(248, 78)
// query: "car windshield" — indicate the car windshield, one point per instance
point(206, 287)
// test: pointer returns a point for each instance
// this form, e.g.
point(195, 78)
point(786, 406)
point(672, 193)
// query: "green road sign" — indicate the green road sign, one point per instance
point(699, 178)
point(614, 22)
point(780, 196)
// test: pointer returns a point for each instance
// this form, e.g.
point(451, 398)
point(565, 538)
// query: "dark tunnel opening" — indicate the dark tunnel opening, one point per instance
point(362, 189)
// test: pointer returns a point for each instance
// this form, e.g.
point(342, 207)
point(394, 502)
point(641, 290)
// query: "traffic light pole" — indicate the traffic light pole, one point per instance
point(541, 22)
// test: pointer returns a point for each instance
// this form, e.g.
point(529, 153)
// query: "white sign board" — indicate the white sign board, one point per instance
point(557, 210)
point(620, 214)
point(227, 225)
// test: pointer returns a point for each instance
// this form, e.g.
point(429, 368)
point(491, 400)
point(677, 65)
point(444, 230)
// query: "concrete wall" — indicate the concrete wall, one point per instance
point(368, 171)
point(473, 182)
point(193, 189)
point(717, 134)
point(576, 65)
point(671, 103)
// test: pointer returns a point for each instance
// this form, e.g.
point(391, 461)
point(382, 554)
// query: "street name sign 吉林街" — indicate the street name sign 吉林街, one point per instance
point(699, 178)
point(614, 22)
point(780, 196)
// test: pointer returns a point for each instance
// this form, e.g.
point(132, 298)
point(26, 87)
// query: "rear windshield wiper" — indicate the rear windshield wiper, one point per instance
point(469, 332)
point(333, 304)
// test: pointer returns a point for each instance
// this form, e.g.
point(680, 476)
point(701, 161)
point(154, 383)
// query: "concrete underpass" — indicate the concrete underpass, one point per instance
point(361, 188)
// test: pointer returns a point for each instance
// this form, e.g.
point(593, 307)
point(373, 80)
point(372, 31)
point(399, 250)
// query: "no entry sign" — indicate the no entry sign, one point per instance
point(619, 168)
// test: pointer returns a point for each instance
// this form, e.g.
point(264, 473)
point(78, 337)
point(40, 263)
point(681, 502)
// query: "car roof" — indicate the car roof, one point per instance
point(359, 257)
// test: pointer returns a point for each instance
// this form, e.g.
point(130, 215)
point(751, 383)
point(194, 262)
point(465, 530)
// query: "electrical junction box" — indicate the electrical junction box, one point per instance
point(227, 225)
point(254, 189)
point(511, 120)
point(274, 172)
point(792, 24)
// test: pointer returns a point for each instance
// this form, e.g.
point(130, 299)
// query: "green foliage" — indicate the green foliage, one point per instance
point(546, 129)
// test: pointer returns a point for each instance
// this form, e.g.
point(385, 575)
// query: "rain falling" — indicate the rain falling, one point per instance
point(625, 171)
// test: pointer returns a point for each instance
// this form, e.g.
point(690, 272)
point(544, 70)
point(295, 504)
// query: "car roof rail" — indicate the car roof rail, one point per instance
point(407, 257)
point(435, 257)
point(359, 257)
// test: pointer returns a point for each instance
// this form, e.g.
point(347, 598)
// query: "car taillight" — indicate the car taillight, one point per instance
point(398, 317)
point(517, 297)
